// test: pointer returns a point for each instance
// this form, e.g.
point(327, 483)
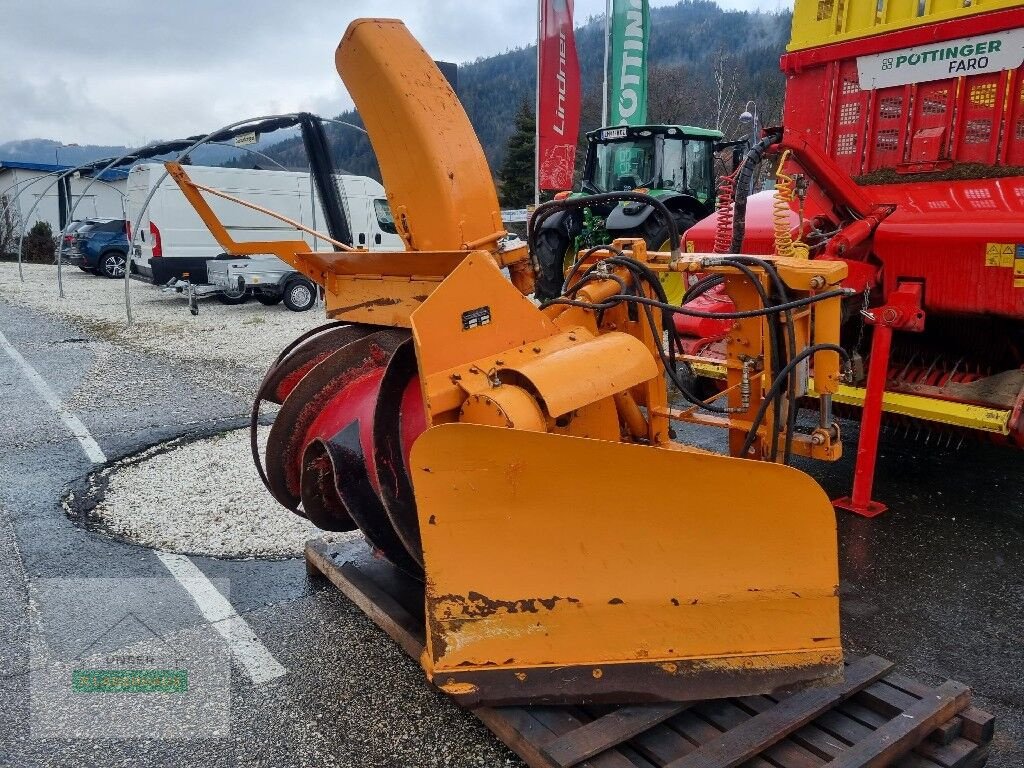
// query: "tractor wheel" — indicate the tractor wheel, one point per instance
point(554, 249)
point(655, 234)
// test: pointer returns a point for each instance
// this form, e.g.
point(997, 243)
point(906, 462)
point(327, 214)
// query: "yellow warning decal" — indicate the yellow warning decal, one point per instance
point(1018, 282)
point(999, 254)
point(689, 246)
point(1018, 268)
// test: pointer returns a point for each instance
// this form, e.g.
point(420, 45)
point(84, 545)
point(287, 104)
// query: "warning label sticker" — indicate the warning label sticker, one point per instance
point(1001, 254)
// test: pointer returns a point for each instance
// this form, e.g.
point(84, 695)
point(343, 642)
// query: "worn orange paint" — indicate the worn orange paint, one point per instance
point(596, 570)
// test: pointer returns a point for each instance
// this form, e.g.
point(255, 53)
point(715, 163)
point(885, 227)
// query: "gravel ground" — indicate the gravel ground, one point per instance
point(248, 336)
point(161, 501)
point(223, 510)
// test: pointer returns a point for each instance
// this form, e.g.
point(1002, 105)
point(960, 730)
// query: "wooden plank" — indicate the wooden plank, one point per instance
point(890, 700)
point(662, 744)
point(845, 729)
point(567, 720)
point(635, 758)
point(701, 732)
point(726, 714)
point(947, 732)
point(519, 731)
point(607, 731)
point(905, 732)
point(974, 759)
point(848, 721)
point(978, 726)
point(823, 745)
point(840, 722)
point(914, 760)
point(382, 608)
point(862, 714)
point(750, 738)
point(959, 753)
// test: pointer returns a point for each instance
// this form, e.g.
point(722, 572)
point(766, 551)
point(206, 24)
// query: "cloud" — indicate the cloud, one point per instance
point(123, 71)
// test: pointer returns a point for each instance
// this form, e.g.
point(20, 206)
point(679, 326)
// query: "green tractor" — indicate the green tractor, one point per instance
point(673, 163)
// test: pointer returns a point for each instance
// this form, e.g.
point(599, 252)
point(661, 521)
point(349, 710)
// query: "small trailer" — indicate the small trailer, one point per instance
point(234, 281)
point(176, 252)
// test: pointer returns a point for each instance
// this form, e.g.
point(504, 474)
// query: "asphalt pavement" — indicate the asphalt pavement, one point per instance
point(935, 585)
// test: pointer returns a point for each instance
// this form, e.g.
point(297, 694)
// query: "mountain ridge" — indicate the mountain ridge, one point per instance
point(705, 62)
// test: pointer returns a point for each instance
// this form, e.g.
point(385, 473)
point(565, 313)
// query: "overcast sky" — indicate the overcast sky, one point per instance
point(130, 71)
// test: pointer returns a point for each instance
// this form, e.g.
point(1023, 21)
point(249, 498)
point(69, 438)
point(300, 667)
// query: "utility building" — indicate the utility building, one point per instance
point(22, 184)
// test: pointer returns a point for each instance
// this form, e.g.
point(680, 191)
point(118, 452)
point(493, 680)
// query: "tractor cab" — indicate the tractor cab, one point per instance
point(663, 159)
point(672, 163)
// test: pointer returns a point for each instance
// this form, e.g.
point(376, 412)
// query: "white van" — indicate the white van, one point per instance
point(173, 241)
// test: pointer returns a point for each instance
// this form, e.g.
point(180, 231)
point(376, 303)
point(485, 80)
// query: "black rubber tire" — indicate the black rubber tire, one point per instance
point(552, 247)
point(654, 232)
point(232, 301)
point(111, 264)
point(299, 294)
point(269, 300)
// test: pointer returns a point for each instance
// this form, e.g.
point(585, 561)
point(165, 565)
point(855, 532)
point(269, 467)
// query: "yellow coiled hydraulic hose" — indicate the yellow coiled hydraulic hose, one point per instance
point(785, 193)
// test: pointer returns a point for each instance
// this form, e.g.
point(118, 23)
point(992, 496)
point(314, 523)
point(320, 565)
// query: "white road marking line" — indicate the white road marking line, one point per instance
point(72, 422)
point(246, 648)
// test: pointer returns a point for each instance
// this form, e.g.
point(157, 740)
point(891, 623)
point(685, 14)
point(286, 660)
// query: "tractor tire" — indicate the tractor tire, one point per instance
point(655, 234)
point(299, 294)
point(111, 264)
point(553, 248)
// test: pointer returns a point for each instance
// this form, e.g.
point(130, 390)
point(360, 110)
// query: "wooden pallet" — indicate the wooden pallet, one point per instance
point(875, 717)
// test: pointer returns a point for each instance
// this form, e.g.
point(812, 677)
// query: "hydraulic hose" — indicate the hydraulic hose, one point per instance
point(701, 287)
point(744, 176)
point(611, 301)
point(777, 384)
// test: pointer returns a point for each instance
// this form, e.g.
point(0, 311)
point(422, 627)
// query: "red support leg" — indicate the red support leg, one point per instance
point(902, 311)
point(859, 502)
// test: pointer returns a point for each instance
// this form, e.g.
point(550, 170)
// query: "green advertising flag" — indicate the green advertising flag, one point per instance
point(627, 76)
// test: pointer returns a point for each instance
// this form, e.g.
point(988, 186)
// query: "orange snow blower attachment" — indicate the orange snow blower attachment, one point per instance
point(514, 457)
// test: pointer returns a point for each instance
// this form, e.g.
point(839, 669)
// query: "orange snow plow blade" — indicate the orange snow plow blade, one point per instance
point(557, 570)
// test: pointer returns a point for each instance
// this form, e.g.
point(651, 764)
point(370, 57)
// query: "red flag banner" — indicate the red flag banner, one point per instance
point(558, 119)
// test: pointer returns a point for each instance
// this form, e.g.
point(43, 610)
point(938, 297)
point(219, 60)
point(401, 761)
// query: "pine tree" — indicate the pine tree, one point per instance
point(516, 174)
